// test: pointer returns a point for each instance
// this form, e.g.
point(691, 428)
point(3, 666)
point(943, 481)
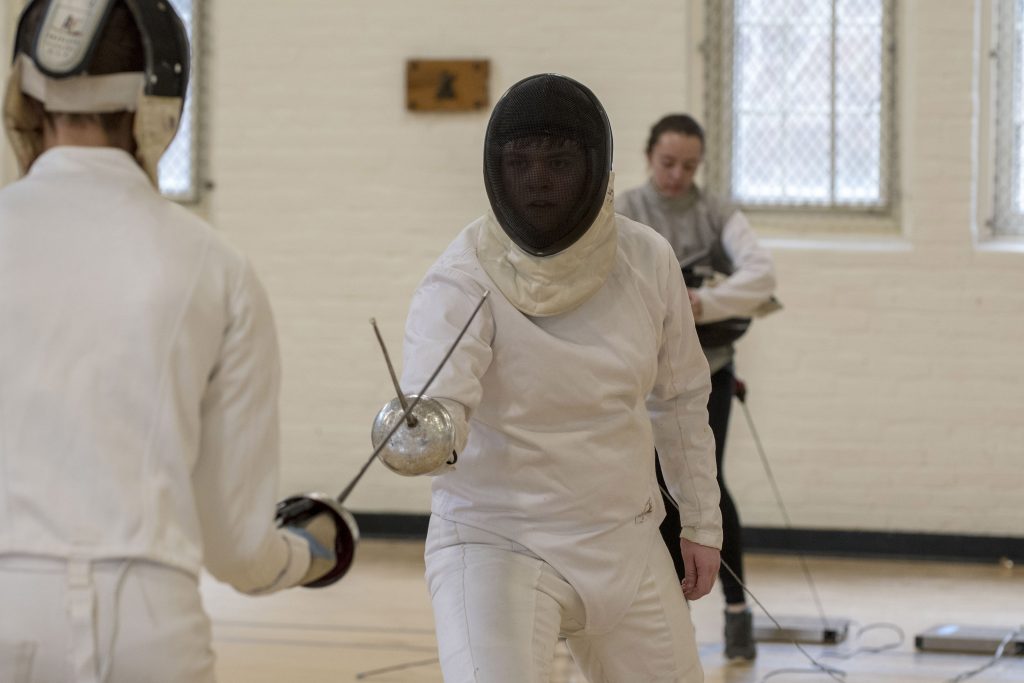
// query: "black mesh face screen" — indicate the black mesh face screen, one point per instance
point(547, 157)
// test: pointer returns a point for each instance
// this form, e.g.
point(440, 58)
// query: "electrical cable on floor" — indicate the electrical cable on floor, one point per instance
point(996, 657)
point(277, 625)
point(397, 667)
point(874, 649)
point(741, 396)
point(779, 672)
point(833, 673)
point(423, 662)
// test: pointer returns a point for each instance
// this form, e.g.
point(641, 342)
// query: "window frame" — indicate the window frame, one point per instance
point(719, 63)
point(1005, 28)
point(193, 110)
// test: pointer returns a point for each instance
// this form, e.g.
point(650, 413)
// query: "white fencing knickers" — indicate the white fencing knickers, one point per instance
point(111, 621)
point(499, 611)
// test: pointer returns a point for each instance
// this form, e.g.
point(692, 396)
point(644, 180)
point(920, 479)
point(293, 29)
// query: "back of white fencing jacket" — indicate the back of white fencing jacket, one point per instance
point(138, 380)
point(565, 412)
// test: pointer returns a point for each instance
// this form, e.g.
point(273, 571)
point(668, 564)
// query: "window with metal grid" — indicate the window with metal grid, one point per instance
point(800, 103)
point(178, 169)
point(1008, 202)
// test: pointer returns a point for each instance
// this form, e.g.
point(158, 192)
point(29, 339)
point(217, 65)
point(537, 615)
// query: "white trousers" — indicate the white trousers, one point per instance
point(499, 611)
point(101, 622)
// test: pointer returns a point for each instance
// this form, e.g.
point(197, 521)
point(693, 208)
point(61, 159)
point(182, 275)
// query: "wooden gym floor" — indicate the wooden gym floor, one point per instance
point(379, 616)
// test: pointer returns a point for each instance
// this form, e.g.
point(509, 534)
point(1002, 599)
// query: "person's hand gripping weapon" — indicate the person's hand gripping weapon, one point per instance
point(412, 434)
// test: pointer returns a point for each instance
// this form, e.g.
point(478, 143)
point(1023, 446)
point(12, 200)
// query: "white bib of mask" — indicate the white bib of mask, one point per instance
point(551, 285)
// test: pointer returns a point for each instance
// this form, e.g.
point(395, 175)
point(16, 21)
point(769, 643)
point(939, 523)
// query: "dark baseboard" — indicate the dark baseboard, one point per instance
point(392, 525)
point(878, 544)
point(886, 544)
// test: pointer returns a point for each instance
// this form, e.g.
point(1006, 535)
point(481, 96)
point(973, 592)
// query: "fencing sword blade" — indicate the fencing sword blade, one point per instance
point(409, 417)
point(376, 451)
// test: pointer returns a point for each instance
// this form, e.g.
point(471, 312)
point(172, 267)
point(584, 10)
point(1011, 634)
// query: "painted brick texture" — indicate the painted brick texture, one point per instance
point(889, 393)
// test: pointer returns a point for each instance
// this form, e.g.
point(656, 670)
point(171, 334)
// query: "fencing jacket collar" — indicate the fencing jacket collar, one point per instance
point(543, 286)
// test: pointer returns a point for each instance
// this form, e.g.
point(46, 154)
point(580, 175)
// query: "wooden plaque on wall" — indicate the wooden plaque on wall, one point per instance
point(446, 85)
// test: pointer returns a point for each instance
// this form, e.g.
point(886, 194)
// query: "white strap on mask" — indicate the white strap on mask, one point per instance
point(82, 94)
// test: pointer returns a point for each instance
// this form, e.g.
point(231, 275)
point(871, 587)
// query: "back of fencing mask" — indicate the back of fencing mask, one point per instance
point(547, 160)
point(59, 55)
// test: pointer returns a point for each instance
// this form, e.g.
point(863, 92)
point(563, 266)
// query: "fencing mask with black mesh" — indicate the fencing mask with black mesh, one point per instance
point(547, 162)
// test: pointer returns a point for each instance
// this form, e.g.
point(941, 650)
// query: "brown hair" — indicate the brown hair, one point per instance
point(684, 124)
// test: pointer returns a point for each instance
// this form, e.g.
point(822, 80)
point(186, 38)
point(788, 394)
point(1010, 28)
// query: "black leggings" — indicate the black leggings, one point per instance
point(719, 406)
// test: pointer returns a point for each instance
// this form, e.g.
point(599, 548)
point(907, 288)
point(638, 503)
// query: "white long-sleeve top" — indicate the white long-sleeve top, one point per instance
point(565, 412)
point(752, 281)
point(138, 380)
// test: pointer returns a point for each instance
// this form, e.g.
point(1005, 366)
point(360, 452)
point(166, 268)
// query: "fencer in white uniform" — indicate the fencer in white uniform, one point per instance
point(138, 375)
point(581, 362)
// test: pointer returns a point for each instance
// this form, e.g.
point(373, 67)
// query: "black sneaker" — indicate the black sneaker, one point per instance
point(739, 635)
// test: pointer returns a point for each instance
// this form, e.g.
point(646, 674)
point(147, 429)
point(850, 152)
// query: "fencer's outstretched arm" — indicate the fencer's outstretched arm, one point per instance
point(460, 422)
point(678, 408)
point(441, 306)
point(415, 434)
point(235, 476)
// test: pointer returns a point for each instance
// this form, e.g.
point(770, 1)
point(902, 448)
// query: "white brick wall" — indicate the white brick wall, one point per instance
point(343, 198)
point(888, 393)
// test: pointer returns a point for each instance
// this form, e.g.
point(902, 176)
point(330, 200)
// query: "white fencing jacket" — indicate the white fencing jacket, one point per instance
point(138, 380)
point(560, 450)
